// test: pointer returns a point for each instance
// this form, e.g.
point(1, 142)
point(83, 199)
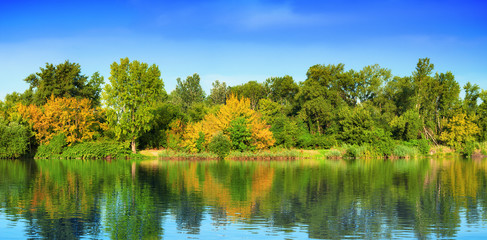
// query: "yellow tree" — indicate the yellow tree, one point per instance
point(261, 136)
point(459, 130)
point(73, 117)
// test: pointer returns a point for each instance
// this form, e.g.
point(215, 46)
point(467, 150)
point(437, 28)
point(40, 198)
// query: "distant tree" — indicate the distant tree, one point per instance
point(252, 90)
point(320, 96)
point(131, 96)
point(189, 91)
point(219, 93)
point(64, 80)
point(282, 89)
point(472, 93)
point(369, 81)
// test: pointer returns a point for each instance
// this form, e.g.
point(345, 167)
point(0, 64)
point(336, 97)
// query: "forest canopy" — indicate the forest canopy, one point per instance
point(333, 106)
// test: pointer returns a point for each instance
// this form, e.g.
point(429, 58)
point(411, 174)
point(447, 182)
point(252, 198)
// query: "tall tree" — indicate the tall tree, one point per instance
point(64, 80)
point(282, 89)
point(131, 95)
point(189, 91)
point(472, 93)
point(219, 92)
point(252, 90)
point(370, 80)
point(320, 95)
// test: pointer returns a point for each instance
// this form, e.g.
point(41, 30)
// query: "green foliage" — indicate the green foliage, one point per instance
point(240, 134)
point(189, 91)
point(200, 142)
point(64, 80)
point(97, 150)
point(218, 93)
point(14, 139)
point(220, 145)
point(134, 90)
point(284, 131)
point(53, 148)
point(403, 151)
point(333, 154)
point(252, 90)
point(380, 142)
point(467, 149)
point(423, 145)
point(323, 141)
point(282, 89)
point(407, 126)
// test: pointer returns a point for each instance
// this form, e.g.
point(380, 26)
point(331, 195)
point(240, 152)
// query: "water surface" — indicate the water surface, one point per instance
point(317, 199)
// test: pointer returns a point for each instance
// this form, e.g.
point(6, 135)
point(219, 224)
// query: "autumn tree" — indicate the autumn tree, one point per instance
point(459, 130)
point(235, 116)
point(130, 97)
point(74, 117)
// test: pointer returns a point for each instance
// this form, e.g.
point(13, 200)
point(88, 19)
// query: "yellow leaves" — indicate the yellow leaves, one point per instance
point(459, 129)
point(220, 121)
point(73, 117)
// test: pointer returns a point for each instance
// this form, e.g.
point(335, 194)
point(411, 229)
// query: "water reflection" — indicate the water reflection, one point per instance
point(429, 198)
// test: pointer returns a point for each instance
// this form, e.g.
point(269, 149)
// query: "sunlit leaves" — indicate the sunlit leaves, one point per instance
point(73, 117)
point(261, 136)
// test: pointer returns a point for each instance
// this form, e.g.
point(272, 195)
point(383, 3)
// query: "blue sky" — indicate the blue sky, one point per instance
point(238, 41)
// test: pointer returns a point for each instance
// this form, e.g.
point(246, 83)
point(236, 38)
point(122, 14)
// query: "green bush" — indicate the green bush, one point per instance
point(52, 149)
point(323, 141)
point(403, 151)
point(333, 154)
point(240, 134)
point(14, 140)
point(220, 145)
point(468, 149)
point(380, 142)
point(423, 145)
point(97, 150)
point(353, 151)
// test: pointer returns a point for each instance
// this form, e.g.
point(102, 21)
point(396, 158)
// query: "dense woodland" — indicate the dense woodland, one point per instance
point(333, 107)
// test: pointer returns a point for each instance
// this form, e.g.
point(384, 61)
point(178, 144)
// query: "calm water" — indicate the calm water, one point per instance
point(319, 199)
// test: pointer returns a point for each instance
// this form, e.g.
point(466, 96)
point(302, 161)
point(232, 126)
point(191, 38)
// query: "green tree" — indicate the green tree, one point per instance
point(370, 80)
point(218, 93)
point(282, 89)
point(252, 90)
point(14, 139)
point(320, 96)
point(64, 80)
point(189, 91)
point(131, 96)
point(472, 93)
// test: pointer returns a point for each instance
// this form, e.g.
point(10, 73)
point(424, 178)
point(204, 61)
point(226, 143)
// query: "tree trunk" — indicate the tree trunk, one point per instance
point(132, 144)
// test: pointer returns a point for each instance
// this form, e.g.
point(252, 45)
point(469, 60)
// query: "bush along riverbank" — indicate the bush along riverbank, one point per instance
point(57, 148)
point(394, 150)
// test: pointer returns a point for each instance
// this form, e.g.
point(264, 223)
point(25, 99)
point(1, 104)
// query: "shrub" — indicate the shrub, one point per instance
point(97, 150)
point(240, 134)
point(14, 140)
point(52, 149)
point(423, 145)
point(323, 141)
point(220, 145)
point(333, 154)
point(403, 151)
point(468, 149)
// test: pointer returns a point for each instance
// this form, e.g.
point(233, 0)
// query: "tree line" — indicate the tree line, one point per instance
point(331, 107)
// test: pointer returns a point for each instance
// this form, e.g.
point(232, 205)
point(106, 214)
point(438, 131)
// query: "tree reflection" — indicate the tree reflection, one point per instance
point(333, 199)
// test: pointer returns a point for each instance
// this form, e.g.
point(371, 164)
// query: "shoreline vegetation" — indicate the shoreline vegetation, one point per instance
point(334, 113)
